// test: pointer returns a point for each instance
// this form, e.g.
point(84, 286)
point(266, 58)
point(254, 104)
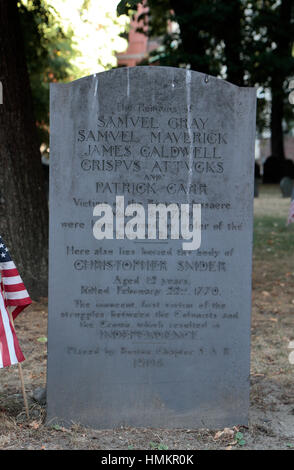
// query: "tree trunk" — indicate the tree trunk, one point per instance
point(23, 204)
point(283, 38)
point(193, 45)
point(277, 112)
point(232, 35)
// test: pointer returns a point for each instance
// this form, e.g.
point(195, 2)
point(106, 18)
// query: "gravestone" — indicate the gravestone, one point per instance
point(286, 186)
point(272, 170)
point(147, 328)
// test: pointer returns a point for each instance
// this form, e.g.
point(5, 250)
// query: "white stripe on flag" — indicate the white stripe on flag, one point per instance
point(22, 294)
point(12, 280)
point(8, 332)
point(7, 265)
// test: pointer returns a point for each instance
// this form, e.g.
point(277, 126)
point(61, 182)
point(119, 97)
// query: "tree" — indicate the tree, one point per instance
point(272, 61)
point(48, 52)
point(59, 37)
point(227, 23)
point(247, 42)
point(192, 44)
point(95, 32)
point(210, 34)
point(23, 204)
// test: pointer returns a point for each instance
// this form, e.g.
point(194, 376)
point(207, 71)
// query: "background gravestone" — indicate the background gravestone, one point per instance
point(256, 179)
point(286, 185)
point(141, 332)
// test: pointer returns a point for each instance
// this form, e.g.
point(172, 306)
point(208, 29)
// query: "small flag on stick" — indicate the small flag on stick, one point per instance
point(13, 294)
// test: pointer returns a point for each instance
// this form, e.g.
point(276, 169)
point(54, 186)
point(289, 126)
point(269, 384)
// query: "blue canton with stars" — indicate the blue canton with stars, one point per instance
point(4, 253)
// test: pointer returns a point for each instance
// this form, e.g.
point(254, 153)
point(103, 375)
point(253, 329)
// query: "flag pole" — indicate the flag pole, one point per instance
point(21, 375)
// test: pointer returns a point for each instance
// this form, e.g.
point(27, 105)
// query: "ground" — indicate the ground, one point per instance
point(271, 424)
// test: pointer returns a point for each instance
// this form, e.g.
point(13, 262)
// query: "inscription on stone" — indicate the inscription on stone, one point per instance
point(149, 325)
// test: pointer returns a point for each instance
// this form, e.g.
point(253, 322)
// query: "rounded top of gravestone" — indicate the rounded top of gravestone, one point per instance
point(286, 180)
point(155, 71)
point(154, 90)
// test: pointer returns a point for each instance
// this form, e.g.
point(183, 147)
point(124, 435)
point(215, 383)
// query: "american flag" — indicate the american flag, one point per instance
point(291, 213)
point(12, 294)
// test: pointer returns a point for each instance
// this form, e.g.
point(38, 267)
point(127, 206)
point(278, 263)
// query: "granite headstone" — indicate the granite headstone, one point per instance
point(143, 331)
point(286, 186)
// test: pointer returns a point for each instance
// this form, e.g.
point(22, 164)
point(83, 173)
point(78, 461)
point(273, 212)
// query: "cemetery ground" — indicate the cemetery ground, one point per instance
point(271, 423)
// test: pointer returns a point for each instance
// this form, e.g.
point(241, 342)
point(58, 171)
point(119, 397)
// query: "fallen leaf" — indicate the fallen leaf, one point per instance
point(227, 432)
point(42, 339)
point(34, 425)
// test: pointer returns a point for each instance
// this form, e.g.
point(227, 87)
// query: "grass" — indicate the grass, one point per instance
point(271, 237)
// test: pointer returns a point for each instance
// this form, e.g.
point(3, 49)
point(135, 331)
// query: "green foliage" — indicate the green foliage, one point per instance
point(59, 38)
point(127, 7)
point(57, 427)
point(205, 29)
point(270, 61)
point(42, 339)
point(48, 52)
point(247, 42)
point(240, 439)
point(158, 446)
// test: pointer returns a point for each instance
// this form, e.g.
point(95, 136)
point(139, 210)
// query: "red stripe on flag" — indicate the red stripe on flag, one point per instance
point(26, 301)
point(14, 287)
point(4, 345)
point(19, 309)
point(10, 272)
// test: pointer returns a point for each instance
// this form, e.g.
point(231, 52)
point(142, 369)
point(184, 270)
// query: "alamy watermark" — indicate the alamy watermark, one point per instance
point(291, 94)
point(158, 220)
point(1, 93)
point(291, 355)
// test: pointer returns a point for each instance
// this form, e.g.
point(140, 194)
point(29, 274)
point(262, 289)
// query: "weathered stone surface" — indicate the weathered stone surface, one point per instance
point(142, 332)
point(39, 395)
